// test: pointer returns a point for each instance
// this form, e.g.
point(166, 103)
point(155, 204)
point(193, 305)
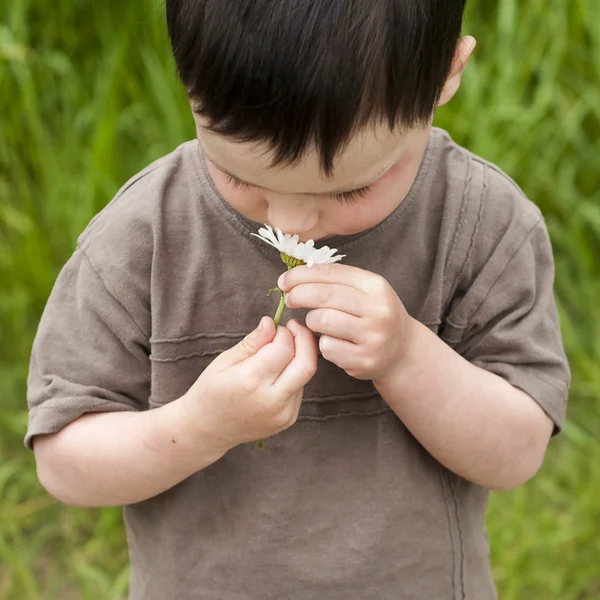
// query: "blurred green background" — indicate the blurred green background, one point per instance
point(88, 96)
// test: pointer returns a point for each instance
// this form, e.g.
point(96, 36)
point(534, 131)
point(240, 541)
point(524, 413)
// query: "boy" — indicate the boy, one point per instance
point(438, 373)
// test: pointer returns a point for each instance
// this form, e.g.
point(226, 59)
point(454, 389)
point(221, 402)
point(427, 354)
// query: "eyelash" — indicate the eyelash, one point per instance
point(345, 197)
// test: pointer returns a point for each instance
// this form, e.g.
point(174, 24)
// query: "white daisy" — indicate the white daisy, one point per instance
point(294, 252)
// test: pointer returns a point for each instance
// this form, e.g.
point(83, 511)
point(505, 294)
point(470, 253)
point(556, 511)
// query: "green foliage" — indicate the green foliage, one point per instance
point(88, 96)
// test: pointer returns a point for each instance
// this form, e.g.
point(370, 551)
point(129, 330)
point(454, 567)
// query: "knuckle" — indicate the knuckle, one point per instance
point(322, 320)
point(288, 356)
point(283, 337)
point(309, 368)
point(386, 312)
point(247, 343)
point(380, 285)
point(368, 363)
point(325, 295)
point(292, 419)
point(324, 272)
point(354, 371)
point(288, 351)
point(270, 407)
point(384, 315)
point(285, 418)
point(325, 347)
point(290, 298)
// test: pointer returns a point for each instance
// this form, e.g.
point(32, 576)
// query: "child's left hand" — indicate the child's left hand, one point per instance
point(365, 328)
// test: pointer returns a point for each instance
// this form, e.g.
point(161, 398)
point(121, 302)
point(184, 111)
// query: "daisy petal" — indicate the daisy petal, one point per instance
point(268, 235)
point(264, 239)
point(291, 246)
point(280, 236)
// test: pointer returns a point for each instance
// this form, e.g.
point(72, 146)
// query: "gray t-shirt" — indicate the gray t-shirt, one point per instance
point(345, 504)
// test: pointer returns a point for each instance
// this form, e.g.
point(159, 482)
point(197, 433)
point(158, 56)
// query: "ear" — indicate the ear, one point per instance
point(463, 52)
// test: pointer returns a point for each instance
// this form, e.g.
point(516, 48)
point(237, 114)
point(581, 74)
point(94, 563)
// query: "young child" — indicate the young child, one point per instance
point(437, 371)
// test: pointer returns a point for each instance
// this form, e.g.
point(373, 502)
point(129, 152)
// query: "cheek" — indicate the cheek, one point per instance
point(398, 179)
point(367, 212)
point(387, 195)
point(239, 197)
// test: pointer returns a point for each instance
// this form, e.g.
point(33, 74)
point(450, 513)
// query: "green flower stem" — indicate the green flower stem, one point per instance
point(280, 308)
point(291, 263)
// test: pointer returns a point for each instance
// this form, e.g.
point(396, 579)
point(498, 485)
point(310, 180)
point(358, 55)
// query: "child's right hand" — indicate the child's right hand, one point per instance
point(254, 390)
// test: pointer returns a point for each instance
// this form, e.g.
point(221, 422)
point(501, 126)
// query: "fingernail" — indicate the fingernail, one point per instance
point(281, 281)
point(261, 325)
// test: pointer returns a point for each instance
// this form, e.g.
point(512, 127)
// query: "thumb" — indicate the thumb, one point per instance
point(251, 344)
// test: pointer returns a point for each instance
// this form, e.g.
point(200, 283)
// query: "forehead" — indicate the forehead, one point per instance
point(369, 154)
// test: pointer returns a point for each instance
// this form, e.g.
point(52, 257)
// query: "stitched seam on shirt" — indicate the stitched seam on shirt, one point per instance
point(450, 532)
point(471, 243)
point(196, 336)
point(488, 165)
point(518, 248)
point(461, 213)
point(54, 407)
point(460, 538)
point(558, 386)
point(185, 356)
point(95, 223)
point(354, 413)
point(89, 262)
point(475, 231)
point(353, 395)
point(232, 335)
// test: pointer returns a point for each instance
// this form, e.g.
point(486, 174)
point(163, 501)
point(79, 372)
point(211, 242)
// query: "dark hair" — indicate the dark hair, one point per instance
point(296, 72)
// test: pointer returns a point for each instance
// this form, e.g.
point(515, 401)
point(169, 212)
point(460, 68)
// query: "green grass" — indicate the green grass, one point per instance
point(88, 96)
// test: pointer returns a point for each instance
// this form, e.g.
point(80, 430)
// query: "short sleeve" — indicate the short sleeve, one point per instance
point(89, 355)
point(507, 323)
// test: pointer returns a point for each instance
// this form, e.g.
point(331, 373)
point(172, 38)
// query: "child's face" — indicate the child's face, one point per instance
point(380, 164)
point(300, 199)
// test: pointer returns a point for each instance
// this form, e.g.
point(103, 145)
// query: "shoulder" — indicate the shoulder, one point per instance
point(491, 214)
point(121, 240)
point(137, 206)
point(482, 183)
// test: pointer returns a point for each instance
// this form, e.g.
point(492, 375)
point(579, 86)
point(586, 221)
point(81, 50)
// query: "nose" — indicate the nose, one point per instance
point(293, 215)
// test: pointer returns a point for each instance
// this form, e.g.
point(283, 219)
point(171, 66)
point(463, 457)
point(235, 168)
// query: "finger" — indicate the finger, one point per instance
point(304, 364)
point(328, 295)
point(335, 323)
point(340, 352)
point(268, 363)
point(250, 345)
point(340, 274)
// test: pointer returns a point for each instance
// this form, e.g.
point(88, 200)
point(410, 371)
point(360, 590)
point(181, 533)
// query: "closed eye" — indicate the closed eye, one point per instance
point(349, 197)
point(353, 195)
point(236, 183)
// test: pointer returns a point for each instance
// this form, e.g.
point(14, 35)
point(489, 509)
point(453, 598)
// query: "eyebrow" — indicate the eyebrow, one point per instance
point(320, 195)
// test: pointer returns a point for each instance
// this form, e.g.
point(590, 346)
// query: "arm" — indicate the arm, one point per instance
point(249, 392)
point(94, 440)
point(111, 459)
point(472, 421)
